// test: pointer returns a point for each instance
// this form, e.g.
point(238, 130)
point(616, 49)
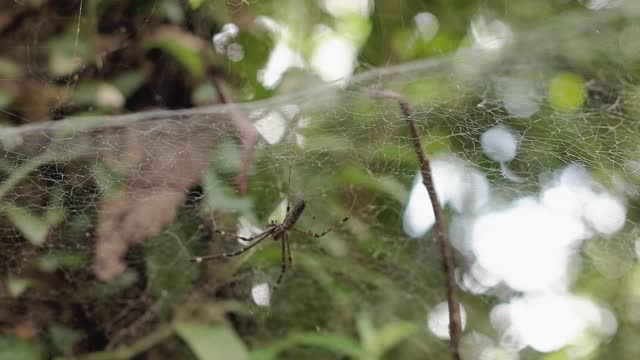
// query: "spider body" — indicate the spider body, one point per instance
point(289, 220)
point(279, 232)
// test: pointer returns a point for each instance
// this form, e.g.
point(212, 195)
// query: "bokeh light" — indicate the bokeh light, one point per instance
point(438, 321)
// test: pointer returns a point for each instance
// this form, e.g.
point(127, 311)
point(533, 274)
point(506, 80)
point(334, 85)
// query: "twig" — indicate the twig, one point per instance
point(75, 48)
point(246, 132)
point(455, 328)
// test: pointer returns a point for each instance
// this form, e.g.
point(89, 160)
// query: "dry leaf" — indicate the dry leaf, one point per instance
point(161, 164)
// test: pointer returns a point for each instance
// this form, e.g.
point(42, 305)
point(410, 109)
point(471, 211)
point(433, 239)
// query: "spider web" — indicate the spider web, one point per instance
point(131, 199)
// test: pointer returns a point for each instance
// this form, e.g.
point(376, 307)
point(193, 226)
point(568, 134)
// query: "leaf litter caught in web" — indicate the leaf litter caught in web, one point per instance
point(160, 167)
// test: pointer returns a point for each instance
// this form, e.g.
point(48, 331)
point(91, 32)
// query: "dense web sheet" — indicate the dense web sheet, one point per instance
point(535, 154)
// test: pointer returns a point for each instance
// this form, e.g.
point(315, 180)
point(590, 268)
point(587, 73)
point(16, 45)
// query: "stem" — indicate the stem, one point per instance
point(442, 235)
point(248, 136)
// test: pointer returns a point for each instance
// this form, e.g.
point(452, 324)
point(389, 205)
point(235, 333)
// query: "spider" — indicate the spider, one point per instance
point(279, 232)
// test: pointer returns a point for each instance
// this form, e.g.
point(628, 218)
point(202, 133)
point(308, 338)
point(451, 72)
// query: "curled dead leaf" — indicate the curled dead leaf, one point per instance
point(161, 163)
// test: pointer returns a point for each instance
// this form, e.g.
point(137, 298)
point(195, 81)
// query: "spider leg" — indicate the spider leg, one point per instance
point(224, 233)
point(290, 258)
point(289, 192)
point(283, 261)
point(256, 240)
point(312, 234)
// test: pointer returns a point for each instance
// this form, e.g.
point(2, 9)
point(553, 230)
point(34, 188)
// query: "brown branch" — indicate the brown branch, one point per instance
point(455, 327)
point(248, 136)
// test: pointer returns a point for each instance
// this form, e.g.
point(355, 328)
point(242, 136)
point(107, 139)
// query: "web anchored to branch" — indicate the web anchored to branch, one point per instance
point(442, 234)
point(534, 159)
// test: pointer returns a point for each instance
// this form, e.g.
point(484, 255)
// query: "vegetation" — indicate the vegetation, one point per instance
point(135, 132)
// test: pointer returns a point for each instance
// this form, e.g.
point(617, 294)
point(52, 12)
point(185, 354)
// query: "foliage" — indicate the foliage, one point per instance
point(159, 184)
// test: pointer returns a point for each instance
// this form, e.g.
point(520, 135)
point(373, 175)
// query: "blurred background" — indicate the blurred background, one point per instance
point(133, 132)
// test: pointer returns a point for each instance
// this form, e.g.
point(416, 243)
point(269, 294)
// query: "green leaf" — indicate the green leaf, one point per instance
point(68, 54)
point(128, 82)
point(391, 335)
point(12, 348)
point(32, 227)
point(331, 342)
point(388, 185)
point(567, 92)
point(17, 286)
point(204, 94)
point(171, 10)
point(425, 91)
point(212, 342)
point(336, 343)
point(62, 338)
point(77, 227)
point(195, 4)
point(100, 94)
point(409, 45)
point(182, 47)
point(366, 330)
point(109, 180)
point(121, 282)
point(25, 169)
point(167, 259)
point(219, 195)
point(355, 27)
point(9, 69)
point(270, 352)
point(558, 355)
point(54, 215)
point(5, 98)
point(68, 259)
point(85, 94)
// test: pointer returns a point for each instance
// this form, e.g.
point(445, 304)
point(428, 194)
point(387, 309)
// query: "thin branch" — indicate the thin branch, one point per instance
point(75, 48)
point(246, 132)
point(442, 235)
